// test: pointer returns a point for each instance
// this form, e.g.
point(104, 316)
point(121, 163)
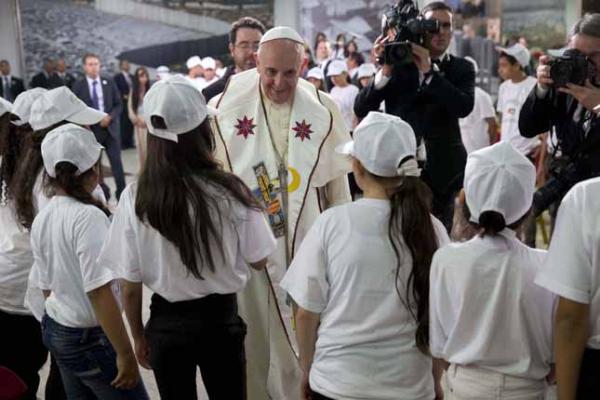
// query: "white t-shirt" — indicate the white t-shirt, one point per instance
point(344, 98)
point(485, 309)
point(141, 254)
point(66, 238)
point(511, 97)
point(345, 271)
point(474, 127)
point(572, 268)
point(15, 261)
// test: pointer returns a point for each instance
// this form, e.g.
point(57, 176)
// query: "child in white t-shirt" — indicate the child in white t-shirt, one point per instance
point(572, 271)
point(478, 129)
point(488, 319)
point(360, 277)
point(343, 92)
point(189, 231)
point(82, 325)
point(512, 95)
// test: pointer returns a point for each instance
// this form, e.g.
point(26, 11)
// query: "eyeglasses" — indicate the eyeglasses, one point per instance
point(247, 46)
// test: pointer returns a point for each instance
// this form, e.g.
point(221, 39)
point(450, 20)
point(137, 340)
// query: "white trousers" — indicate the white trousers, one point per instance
point(472, 383)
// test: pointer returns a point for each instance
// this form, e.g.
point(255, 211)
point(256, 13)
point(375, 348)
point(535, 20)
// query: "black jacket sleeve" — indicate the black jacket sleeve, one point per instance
point(116, 98)
point(536, 115)
point(459, 96)
point(370, 98)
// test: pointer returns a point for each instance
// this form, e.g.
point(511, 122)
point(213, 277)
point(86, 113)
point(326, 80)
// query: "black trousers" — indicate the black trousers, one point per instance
point(205, 333)
point(22, 349)
point(112, 148)
point(588, 387)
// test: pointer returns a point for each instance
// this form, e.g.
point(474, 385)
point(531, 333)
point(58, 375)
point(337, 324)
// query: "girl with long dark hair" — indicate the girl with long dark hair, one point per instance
point(21, 347)
point(361, 277)
point(135, 106)
point(488, 319)
point(82, 325)
point(187, 230)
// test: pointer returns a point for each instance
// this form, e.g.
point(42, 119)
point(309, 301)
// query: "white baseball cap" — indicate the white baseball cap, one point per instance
point(316, 73)
point(71, 143)
point(61, 104)
point(180, 104)
point(163, 72)
point(23, 103)
point(337, 67)
point(519, 52)
point(366, 70)
point(209, 63)
point(281, 32)
point(384, 144)
point(5, 106)
point(193, 61)
point(499, 178)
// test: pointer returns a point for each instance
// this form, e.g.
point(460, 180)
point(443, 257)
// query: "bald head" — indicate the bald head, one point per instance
point(279, 63)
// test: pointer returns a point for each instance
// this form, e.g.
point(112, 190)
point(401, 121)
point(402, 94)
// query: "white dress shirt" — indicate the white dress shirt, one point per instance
point(99, 91)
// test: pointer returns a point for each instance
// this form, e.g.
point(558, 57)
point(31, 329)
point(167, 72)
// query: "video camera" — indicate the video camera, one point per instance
point(571, 67)
point(411, 27)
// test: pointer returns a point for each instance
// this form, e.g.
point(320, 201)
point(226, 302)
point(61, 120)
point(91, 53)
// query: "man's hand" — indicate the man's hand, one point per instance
point(422, 58)
point(588, 95)
point(128, 374)
point(377, 52)
point(543, 73)
point(105, 121)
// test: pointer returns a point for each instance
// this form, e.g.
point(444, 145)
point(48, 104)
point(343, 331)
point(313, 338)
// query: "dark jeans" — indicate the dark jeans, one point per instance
point(87, 362)
point(205, 333)
point(588, 387)
point(112, 148)
point(22, 349)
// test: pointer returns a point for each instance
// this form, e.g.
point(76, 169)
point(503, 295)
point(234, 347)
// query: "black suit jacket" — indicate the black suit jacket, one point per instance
point(40, 80)
point(67, 80)
point(217, 88)
point(112, 101)
point(16, 87)
point(122, 84)
point(539, 115)
point(433, 111)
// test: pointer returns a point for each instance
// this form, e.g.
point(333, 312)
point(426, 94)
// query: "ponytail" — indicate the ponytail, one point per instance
point(410, 225)
point(28, 169)
point(491, 223)
point(73, 185)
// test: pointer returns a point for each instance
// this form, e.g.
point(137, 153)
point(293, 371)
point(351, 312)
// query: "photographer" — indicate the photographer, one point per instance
point(431, 94)
point(567, 98)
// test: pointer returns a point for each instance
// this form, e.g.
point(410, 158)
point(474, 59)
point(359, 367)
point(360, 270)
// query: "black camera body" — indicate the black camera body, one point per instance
point(411, 27)
point(571, 67)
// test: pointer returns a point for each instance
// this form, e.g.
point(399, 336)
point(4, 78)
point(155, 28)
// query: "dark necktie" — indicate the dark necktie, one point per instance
point(7, 92)
point(95, 99)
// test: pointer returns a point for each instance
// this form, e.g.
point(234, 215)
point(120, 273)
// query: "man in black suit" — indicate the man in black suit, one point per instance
point(124, 81)
point(244, 36)
point(101, 93)
point(431, 94)
point(47, 78)
point(66, 79)
point(10, 87)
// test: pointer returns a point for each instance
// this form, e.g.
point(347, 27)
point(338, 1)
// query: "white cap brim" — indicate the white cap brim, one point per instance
point(346, 148)
point(87, 116)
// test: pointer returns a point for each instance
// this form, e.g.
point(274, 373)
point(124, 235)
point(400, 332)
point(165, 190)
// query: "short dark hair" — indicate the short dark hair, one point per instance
point(358, 57)
point(89, 55)
point(436, 6)
point(588, 25)
point(4, 62)
point(245, 22)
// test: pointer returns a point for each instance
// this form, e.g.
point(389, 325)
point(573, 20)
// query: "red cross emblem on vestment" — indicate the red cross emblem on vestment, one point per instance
point(302, 130)
point(245, 127)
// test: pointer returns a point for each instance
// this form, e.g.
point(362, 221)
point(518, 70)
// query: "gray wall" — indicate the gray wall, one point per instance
point(11, 47)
